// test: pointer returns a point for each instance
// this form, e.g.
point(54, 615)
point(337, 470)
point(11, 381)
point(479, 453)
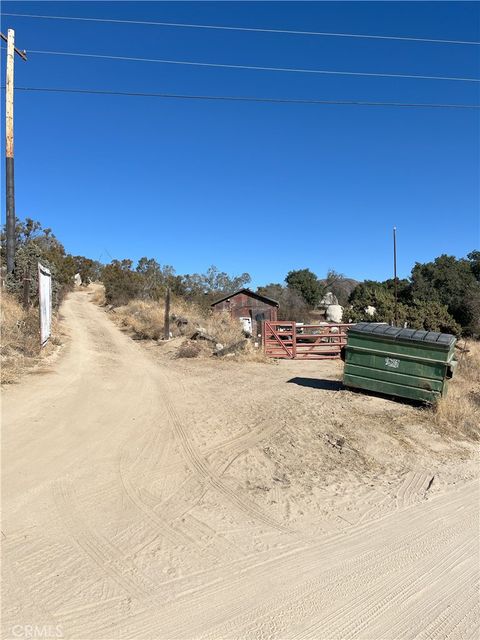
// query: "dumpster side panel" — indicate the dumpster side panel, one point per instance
point(410, 369)
point(418, 350)
point(389, 388)
point(393, 362)
point(405, 380)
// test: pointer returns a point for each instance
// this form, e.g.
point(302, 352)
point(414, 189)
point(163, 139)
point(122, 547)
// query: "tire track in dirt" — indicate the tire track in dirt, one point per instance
point(351, 620)
point(192, 489)
point(446, 616)
point(414, 485)
point(17, 587)
point(199, 466)
point(161, 526)
point(313, 598)
point(165, 526)
point(107, 559)
point(225, 455)
point(244, 589)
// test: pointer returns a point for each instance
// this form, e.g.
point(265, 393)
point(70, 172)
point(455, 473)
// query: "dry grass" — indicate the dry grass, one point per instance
point(97, 294)
point(20, 345)
point(193, 349)
point(458, 413)
point(146, 320)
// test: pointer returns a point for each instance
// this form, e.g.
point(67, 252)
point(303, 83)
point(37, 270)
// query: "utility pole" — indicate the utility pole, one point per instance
point(10, 181)
point(395, 273)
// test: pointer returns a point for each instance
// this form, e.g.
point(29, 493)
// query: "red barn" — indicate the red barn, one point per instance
point(249, 307)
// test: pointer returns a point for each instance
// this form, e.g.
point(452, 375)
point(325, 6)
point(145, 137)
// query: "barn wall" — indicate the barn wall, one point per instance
point(243, 306)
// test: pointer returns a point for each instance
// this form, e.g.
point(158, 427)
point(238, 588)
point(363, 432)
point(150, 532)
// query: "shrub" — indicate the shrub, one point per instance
point(458, 413)
point(20, 337)
point(121, 283)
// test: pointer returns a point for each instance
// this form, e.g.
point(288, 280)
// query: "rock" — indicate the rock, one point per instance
point(328, 299)
point(202, 335)
point(335, 441)
point(232, 349)
point(334, 313)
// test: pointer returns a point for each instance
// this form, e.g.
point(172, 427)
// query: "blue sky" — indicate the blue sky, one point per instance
point(250, 187)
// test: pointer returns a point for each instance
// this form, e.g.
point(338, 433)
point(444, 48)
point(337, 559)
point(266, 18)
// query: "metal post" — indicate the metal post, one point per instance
point(294, 339)
point(166, 332)
point(10, 182)
point(395, 273)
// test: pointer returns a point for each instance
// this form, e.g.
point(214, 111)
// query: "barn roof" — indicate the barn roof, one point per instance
point(249, 293)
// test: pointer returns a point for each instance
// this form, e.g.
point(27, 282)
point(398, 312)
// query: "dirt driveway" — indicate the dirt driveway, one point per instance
point(151, 497)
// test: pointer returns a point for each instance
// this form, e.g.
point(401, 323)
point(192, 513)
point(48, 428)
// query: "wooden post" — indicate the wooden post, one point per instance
point(166, 332)
point(26, 289)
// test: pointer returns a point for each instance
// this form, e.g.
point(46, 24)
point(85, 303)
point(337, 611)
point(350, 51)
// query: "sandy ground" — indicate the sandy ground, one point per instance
point(150, 497)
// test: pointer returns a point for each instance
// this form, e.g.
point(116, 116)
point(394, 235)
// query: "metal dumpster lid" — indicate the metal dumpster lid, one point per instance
point(444, 340)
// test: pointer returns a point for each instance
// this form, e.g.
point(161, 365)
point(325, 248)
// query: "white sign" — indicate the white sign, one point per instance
point(45, 303)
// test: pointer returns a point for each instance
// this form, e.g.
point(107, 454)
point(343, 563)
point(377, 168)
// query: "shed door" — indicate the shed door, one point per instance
point(246, 324)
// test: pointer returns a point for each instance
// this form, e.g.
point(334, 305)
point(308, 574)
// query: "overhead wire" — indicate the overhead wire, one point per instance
point(331, 72)
point(179, 96)
point(246, 29)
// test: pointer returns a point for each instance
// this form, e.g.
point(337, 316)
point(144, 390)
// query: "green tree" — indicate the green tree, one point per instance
point(291, 304)
point(89, 270)
point(204, 288)
point(431, 316)
point(122, 284)
point(37, 244)
point(474, 258)
point(453, 283)
point(306, 283)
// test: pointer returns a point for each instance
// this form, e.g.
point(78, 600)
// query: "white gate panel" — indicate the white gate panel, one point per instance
point(45, 302)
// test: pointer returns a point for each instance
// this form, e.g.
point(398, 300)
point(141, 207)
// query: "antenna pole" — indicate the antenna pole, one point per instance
point(395, 273)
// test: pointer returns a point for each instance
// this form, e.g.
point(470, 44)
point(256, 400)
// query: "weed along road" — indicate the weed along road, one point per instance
point(134, 504)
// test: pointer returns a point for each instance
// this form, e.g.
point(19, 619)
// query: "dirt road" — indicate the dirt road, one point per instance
point(133, 507)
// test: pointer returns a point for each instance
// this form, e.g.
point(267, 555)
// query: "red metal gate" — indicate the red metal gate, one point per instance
point(286, 339)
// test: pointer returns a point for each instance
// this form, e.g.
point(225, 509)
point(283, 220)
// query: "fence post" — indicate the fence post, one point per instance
point(294, 339)
point(166, 327)
point(26, 288)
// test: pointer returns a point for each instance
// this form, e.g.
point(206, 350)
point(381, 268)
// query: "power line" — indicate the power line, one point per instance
point(248, 29)
point(179, 96)
point(254, 67)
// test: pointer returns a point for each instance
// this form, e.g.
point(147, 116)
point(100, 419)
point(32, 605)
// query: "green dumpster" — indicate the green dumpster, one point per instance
point(399, 362)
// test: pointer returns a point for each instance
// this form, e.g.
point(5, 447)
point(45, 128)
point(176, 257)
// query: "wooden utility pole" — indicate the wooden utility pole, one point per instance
point(166, 329)
point(10, 181)
point(395, 273)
